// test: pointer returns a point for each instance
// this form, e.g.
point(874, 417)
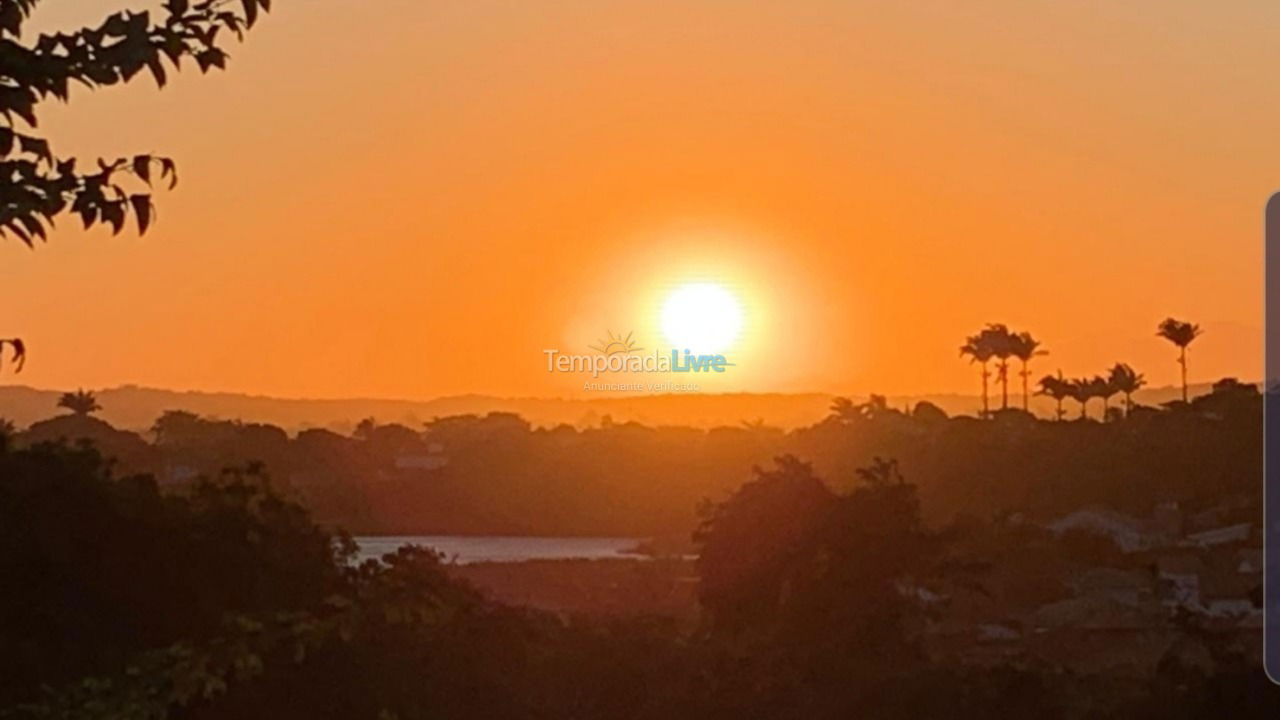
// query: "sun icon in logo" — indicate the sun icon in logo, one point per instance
point(616, 344)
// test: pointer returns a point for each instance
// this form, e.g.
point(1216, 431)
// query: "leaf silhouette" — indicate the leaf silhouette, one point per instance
point(142, 167)
point(141, 211)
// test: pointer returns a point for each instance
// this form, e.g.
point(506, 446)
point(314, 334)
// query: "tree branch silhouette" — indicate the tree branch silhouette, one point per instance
point(36, 185)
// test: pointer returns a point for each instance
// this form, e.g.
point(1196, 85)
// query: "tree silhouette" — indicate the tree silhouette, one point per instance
point(37, 185)
point(1024, 347)
point(876, 406)
point(80, 402)
point(1126, 380)
point(1084, 389)
point(880, 473)
point(1058, 388)
point(19, 352)
point(1076, 391)
point(1103, 387)
point(844, 410)
point(751, 545)
point(1181, 334)
point(365, 428)
point(1001, 342)
point(928, 412)
point(979, 350)
point(175, 427)
point(1090, 388)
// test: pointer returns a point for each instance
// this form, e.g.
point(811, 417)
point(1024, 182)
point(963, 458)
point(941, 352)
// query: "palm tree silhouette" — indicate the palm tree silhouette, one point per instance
point(19, 352)
point(1126, 380)
point(1058, 388)
point(1000, 340)
point(1097, 387)
point(1082, 390)
point(1024, 347)
point(844, 410)
point(1078, 390)
point(1181, 334)
point(1102, 387)
point(80, 402)
point(979, 350)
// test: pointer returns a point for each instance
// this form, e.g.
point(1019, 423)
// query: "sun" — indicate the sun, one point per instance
point(702, 318)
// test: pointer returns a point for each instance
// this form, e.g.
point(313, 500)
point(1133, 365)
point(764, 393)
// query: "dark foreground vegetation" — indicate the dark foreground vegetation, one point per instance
point(824, 590)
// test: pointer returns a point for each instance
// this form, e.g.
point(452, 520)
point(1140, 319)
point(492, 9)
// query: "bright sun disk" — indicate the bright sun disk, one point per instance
point(702, 318)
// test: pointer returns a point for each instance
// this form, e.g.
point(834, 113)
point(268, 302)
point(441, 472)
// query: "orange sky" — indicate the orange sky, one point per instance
point(417, 200)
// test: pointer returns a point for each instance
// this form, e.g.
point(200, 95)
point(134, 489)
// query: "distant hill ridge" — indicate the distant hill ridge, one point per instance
point(136, 408)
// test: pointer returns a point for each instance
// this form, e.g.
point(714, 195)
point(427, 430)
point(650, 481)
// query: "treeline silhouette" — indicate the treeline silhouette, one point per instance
point(226, 602)
point(996, 342)
point(496, 474)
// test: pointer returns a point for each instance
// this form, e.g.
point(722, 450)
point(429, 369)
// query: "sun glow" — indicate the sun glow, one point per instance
point(701, 318)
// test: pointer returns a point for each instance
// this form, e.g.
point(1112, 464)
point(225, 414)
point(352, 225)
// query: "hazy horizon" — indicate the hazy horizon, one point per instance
point(137, 407)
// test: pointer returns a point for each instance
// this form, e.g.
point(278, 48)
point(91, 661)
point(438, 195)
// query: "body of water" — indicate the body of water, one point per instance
point(465, 549)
